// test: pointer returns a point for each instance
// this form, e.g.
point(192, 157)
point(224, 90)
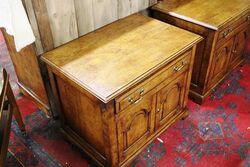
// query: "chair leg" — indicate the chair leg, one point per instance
point(16, 111)
point(18, 117)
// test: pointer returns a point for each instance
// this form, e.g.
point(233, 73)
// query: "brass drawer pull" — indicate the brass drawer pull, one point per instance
point(131, 100)
point(234, 51)
point(248, 18)
point(225, 34)
point(142, 92)
point(176, 68)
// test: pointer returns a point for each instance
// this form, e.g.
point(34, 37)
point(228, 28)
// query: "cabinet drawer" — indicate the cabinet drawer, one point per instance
point(172, 70)
point(232, 29)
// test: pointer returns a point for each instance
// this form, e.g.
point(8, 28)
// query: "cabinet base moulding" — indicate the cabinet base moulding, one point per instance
point(199, 98)
point(98, 158)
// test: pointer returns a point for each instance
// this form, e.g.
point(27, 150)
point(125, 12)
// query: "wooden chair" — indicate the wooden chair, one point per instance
point(8, 106)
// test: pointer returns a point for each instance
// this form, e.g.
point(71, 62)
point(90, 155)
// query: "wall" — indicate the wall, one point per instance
point(56, 22)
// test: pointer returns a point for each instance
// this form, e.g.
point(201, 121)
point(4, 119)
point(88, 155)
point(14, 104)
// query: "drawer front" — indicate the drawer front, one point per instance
point(233, 28)
point(135, 126)
point(172, 70)
point(170, 101)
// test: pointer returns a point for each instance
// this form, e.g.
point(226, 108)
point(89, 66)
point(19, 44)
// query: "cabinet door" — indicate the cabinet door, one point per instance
point(135, 124)
point(170, 100)
point(220, 61)
point(239, 47)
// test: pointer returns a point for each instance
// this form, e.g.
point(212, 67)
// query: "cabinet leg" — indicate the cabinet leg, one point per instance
point(185, 114)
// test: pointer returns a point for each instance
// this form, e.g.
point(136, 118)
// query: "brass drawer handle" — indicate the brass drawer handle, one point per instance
point(225, 34)
point(248, 18)
point(142, 92)
point(131, 100)
point(234, 51)
point(183, 64)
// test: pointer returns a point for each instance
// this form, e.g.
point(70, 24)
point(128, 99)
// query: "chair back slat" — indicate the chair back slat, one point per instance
point(5, 119)
point(5, 126)
point(3, 91)
point(7, 98)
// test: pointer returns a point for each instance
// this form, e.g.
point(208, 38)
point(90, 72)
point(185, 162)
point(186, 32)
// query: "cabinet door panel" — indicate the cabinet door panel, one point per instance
point(220, 61)
point(135, 125)
point(239, 46)
point(170, 100)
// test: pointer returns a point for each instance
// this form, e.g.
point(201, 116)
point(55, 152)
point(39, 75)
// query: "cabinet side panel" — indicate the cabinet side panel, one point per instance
point(81, 114)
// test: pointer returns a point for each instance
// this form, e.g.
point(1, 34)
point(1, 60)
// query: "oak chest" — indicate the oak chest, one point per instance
point(119, 87)
point(224, 25)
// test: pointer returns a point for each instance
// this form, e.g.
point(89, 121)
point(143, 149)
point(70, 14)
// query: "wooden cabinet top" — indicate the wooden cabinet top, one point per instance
point(114, 58)
point(208, 13)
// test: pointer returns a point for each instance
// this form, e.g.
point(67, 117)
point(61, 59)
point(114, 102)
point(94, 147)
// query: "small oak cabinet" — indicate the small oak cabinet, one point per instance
point(117, 90)
point(223, 24)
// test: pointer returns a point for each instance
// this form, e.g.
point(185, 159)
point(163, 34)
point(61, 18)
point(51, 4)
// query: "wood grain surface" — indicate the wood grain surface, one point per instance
point(128, 46)
point(59, 21)
point(208, 12)
point(43, 23)
point(62, 20)
point(84, 13)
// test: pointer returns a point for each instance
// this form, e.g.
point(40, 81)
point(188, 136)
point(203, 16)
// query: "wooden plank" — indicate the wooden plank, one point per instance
point(84, 15)
point(143, 4)
point(42, 19)
point(127, 7)
point(152, 2)
point(105, 12)
point(55, 24)
point(33, 22)
point(62, 20)
point(28, 73)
